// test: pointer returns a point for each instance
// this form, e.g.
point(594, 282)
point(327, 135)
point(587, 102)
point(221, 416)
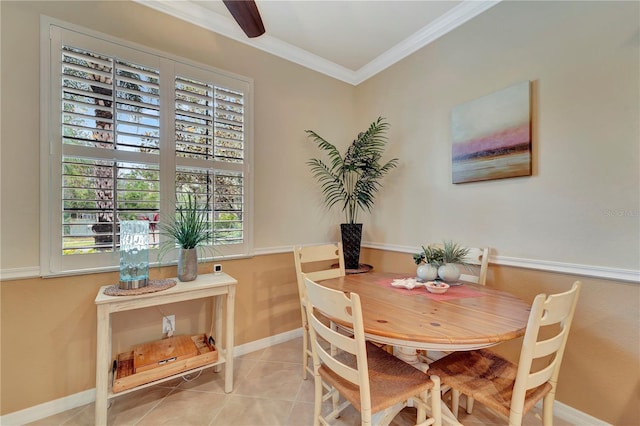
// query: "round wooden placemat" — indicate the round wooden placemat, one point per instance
point(154, 285)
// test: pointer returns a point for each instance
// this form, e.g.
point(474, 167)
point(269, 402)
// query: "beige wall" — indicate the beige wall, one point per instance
point(583, 60)
point(584, 64)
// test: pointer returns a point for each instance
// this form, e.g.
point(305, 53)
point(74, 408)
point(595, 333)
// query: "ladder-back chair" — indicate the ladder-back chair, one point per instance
point(374, 382)
point(316, 262)
point(513, 389)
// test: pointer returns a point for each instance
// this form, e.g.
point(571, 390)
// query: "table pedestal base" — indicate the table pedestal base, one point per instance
point(410, 356)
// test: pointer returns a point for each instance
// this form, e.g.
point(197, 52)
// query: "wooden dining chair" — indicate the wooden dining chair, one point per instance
point(374, 382)
point(316, 261)
point(478, 260)
point(513, 389)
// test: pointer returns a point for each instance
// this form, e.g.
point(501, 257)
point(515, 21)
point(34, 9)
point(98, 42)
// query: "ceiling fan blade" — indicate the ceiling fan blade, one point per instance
point(246, 14)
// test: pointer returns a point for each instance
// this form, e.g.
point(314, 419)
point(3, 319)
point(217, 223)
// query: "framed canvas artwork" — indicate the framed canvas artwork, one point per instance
point(491, 136)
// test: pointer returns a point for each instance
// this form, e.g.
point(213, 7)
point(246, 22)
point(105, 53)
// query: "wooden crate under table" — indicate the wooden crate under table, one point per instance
point(127, 376)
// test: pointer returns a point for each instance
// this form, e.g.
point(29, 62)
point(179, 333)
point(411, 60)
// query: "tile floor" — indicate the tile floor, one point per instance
point(268, 390)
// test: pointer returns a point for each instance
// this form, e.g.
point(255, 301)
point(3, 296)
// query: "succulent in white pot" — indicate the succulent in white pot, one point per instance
point(452, 256)
point(428, 262)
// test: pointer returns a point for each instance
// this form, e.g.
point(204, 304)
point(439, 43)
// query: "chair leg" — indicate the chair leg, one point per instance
point(317, 400)
point(305, 353)
point(455, 400)
point(547, 409)
point(436, 401)
point(469, 405)
point(421, 408)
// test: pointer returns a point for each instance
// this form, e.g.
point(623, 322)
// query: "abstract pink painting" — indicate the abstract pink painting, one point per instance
point(492, 136)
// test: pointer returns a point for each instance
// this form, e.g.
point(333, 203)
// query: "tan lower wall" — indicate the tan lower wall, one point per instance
point(48, 329)
point(49, 326)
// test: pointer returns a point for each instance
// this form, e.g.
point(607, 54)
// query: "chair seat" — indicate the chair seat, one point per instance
point(486, 377)
point(391, 380)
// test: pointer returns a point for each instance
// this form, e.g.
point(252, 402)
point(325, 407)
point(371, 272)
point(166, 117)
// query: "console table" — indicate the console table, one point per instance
point(218, 286)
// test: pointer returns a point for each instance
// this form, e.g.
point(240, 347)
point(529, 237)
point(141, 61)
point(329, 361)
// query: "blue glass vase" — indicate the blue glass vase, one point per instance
point(134, 254)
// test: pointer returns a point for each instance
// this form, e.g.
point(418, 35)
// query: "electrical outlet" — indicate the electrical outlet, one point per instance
point(169, 323)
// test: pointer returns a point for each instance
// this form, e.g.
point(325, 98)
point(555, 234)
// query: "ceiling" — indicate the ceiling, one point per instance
point(347, 40)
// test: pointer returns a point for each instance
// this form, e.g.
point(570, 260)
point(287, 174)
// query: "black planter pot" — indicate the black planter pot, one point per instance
point(351, 239)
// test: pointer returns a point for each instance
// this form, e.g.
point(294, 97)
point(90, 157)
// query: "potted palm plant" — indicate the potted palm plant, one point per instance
point(352, 180)
point(188, 230)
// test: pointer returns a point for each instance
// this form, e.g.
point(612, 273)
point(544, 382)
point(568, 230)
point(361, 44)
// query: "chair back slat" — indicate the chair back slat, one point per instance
point(548, 346)
point(539, 377)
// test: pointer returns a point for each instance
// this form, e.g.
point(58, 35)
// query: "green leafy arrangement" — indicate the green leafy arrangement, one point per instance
point(429, 255)
point(353, 179)
point(190, 227)
point(450, 252)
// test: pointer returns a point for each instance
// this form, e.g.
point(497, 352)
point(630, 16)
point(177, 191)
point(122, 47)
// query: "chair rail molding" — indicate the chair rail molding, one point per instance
point(617, 274)
point(605, 272)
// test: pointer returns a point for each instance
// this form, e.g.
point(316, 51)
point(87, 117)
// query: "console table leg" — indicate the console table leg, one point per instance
point(103, 356)
point(228, 367)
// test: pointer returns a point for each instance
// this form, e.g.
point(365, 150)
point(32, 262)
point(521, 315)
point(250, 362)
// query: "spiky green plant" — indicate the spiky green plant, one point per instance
point(353, 179)
point(450, 252)
point(190, 227)
point(454, 253)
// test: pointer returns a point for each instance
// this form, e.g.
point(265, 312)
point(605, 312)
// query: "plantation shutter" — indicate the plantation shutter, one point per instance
point(126, 133)
point(110, 137)
point(210, 135)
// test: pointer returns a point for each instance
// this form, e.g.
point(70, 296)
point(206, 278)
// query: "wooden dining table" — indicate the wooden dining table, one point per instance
point(467, 316)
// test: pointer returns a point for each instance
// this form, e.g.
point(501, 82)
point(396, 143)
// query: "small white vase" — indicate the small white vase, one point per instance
point(449, 272)
point(427, 272)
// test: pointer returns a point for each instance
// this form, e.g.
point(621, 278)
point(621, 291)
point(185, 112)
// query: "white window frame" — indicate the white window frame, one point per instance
point(52, 261)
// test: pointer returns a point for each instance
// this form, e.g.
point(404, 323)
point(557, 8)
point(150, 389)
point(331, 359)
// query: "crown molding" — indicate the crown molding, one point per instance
point(192, 12)
point(447, 22)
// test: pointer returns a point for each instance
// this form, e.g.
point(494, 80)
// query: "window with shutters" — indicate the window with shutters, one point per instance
point(129, 132)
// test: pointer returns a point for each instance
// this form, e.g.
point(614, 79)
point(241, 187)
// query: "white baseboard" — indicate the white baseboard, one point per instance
point(267, 342)
point(47, 409)
point(573, 416)
point(79, 399)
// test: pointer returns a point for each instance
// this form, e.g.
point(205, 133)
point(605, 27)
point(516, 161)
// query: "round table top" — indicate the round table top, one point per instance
point(466, 317)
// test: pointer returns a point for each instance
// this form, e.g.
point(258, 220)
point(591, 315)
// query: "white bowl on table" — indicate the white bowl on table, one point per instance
point(436, 287)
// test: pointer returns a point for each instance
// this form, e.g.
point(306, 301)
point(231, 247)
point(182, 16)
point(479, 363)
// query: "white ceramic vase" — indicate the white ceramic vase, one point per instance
point(449, 272)
point(427, 272)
